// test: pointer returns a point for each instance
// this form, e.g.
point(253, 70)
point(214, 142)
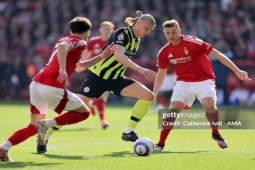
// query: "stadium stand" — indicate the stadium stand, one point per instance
point(29, 28)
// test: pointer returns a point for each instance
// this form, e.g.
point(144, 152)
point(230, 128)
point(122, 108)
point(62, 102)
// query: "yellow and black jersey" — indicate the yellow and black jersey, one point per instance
point(109, 68)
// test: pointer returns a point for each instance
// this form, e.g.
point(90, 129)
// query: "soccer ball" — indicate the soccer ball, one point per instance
point(143, 146)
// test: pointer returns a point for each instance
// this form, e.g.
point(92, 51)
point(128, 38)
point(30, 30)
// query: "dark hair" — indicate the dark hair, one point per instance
point(80, 25)
point(170, 23)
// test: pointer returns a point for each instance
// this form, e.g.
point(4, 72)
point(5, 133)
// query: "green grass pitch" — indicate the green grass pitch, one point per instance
point(87, 146)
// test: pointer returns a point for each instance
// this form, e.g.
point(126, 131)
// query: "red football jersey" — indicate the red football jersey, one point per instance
point(189, 58)
point(95, 45)
point(49, 74)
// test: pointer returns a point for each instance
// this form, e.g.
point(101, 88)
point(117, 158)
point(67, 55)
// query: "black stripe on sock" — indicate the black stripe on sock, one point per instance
point(135, 119)
point(54, 128)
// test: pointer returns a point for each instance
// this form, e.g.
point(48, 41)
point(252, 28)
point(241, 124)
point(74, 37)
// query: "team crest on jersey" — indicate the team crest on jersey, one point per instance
point(86, 89)
point(186, 50)
point(121, 37)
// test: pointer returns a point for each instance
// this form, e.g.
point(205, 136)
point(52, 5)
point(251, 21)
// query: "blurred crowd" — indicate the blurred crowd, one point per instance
point(30, 28)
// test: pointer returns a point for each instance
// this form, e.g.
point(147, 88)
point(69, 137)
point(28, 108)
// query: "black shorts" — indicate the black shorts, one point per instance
point(94, 86)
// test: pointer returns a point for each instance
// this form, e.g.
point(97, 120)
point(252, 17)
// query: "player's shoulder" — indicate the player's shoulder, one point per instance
point(74, 41)
point(95, 38)
point(122, 30)
point(164, 49)
point(120, 35)
point(71, 38)
point(191, 39)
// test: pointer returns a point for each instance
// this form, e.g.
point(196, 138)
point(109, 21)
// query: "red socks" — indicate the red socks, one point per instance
point(163, 135)
point(22, 134)
point(213, 117)
point(100, 104)
point(166, 129)
point(71, 118)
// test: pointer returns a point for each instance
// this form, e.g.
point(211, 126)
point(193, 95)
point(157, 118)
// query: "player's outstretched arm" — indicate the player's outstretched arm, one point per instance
point(62, 51)
point(123, 59)
point(107, 52)
point(242, 75)
point(160, 77)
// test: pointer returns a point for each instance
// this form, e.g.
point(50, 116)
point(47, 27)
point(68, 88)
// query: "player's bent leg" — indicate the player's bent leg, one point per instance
point(100, 104)
point(175, 106)
point(145, 98)
point(67, 118)
point(92, 106)
point(16, 138)
point(70, 117)
point(212, 115)
point(101, 109)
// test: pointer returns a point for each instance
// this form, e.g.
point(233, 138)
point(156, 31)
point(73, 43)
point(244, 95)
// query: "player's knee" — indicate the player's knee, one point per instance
point(150, 96)
point(209, 103)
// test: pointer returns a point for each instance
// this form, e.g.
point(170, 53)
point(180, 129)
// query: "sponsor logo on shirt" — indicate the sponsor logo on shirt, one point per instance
point(119, 42)
point(170, 55)
point(180, 60)
point(129, 54)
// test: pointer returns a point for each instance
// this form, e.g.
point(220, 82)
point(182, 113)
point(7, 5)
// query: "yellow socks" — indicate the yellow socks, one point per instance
point(139, 110)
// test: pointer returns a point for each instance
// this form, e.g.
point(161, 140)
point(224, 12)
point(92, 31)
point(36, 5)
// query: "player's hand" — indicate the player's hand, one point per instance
point(108, 51)
point(147, 73)
point(242, 75)
point(62, 77)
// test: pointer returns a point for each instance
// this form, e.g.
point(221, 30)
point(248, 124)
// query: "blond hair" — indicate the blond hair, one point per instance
point(107, 23)
point(146, 17)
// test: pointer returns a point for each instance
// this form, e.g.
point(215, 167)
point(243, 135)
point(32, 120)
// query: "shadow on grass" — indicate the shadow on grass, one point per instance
point(128, 153)
point(181, 152)
point(119, 154)
point(67, 157)
point(72, 130)
point(13, 165)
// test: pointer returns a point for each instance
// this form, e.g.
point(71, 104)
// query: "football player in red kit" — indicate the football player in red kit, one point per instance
point(195, 77)
point(48, 87)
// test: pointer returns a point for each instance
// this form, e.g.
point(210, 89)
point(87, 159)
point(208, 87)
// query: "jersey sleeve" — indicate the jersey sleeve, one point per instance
point(201, 46)
point(120, 38)
point(162, 59)
point(76, 43)
point(207, 47)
